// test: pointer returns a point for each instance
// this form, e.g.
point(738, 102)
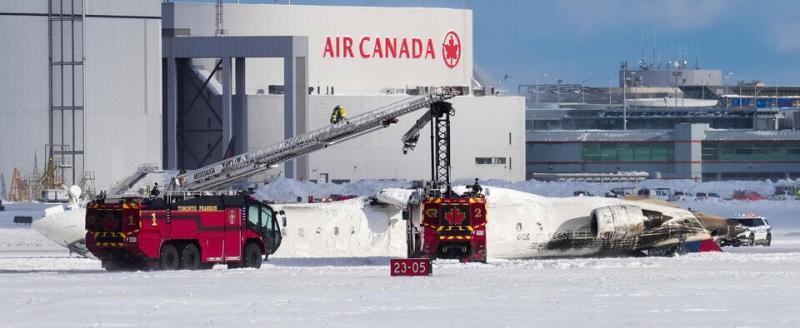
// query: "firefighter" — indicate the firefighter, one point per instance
point(339, 113)
point(476, 188)
point(155, 192)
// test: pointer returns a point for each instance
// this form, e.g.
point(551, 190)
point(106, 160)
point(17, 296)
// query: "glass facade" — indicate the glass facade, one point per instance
point(628, 152)
point(751, 151)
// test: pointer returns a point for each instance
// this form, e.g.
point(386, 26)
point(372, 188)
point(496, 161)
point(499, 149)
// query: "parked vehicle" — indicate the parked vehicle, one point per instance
point(620, 192)
point(701, 196)
point(713, 195)
point(748, 195)
point(680, 195)
point(660, 193)
point(782, 195)
point(581, 193)
point(785, 193)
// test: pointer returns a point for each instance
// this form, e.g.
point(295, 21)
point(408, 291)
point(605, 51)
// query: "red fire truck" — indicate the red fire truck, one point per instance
point(189, 233)
point(440, 222)
point(451, 227)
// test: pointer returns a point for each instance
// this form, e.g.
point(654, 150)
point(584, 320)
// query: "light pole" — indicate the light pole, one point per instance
point(727, 86)
point(583, 98)
point(558, 91)
point(624, 66)
point(545, 76)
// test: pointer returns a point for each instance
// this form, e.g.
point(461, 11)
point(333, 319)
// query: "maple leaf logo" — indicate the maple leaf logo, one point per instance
point(451, 49)
point(454, 217)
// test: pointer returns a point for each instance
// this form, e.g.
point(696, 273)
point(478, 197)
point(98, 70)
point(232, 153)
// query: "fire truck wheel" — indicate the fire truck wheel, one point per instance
point(252, 256)
point(170, 259)
point(190, 257)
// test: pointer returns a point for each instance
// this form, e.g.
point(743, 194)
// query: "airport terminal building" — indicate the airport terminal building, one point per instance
point(701, 130)
point(690, 151)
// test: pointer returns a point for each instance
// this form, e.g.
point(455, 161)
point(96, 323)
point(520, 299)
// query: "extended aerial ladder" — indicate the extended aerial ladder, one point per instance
point(218, 175)
point(438, 116)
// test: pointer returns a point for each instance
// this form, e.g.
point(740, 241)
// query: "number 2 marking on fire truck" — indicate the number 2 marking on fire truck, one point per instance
point(478, 212)
point(153, 222)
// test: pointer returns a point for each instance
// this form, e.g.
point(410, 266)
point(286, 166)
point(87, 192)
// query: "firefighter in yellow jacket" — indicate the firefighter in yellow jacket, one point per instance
point(339, 113)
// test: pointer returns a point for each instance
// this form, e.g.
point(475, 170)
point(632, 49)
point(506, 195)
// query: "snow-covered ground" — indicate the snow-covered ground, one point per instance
point(744, 287)
point(747, 287)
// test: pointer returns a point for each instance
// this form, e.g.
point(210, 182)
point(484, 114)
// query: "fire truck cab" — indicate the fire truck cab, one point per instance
point(188, 233)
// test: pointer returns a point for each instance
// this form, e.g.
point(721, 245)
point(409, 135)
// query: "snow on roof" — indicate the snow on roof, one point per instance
point(755, 135)
point(599, 135)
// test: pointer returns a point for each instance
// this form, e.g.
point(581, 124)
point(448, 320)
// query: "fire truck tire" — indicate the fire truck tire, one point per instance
point(190, 257)
point(112, 265)
point(252, 256)
point(170, 259)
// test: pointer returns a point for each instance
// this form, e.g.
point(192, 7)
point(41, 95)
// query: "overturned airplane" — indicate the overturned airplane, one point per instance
point(519, 225)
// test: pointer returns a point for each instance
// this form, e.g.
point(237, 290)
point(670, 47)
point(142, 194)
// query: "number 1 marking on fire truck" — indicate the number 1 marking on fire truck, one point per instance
point(153, 222)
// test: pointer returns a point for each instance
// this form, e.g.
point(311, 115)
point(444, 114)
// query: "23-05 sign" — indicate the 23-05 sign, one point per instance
point(410, 267)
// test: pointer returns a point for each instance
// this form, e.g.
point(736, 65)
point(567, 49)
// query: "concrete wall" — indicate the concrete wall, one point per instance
point(122, 123)
point(348, 75)
point(24, 87)
point(482, 127)
point(688, 149)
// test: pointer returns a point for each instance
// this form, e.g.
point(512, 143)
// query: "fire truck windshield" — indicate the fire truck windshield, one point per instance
point(261, 217)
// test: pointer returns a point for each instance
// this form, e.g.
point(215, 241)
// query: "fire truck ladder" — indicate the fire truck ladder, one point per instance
point(439, 118)
point(220, 174)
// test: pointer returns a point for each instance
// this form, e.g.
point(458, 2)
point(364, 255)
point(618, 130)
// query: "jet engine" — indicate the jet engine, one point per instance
point(622, 221)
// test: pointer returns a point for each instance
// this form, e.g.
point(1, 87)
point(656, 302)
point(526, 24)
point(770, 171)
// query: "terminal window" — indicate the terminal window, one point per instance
point(751, 151)
point(490, 160)
point(628, 152)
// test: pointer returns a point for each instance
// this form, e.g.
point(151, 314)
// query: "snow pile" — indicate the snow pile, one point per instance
point(395, 196)
point(565, 188)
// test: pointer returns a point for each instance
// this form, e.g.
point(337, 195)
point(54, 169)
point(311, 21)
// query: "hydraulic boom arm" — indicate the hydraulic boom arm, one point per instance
point(239, 167)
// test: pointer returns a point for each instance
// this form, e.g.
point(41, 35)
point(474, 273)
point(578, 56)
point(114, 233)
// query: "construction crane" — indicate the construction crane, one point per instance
point(217, 176)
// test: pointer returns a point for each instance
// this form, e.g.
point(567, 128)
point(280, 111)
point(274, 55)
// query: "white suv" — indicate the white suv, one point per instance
point(758, 231)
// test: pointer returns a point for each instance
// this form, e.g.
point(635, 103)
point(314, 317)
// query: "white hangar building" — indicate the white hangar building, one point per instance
point(142, 92)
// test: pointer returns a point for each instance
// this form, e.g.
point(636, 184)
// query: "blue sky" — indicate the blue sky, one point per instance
point(576, 40)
